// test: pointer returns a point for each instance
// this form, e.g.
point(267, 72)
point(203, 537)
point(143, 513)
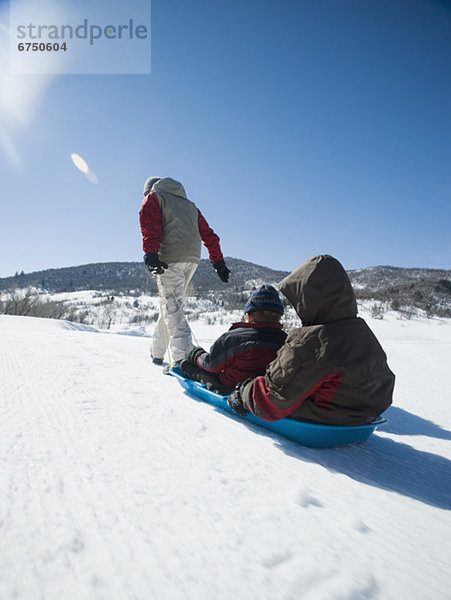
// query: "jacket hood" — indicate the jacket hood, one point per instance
point(320, 291)
point(150, 182)
point(170, 186)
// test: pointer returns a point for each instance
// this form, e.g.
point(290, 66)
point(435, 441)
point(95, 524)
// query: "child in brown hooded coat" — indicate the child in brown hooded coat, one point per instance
point(332, 369)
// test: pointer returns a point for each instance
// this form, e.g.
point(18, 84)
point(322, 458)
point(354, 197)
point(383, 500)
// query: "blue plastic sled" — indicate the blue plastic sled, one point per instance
point(307, 434)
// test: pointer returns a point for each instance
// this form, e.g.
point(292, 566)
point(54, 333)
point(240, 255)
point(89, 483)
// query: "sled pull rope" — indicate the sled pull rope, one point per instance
point(181, 310)
point(166, 334)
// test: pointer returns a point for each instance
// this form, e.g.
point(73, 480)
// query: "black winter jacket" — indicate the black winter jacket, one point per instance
point(243, 352)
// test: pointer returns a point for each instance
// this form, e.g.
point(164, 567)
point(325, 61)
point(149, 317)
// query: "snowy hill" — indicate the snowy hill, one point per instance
point(117, 485)
point(408, 291)
point(128, 277)
point(125, 277)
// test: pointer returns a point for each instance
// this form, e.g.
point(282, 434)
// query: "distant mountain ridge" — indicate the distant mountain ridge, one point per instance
point(423, 288)
point(405, 290)
point(377, 278)
point(126, 277)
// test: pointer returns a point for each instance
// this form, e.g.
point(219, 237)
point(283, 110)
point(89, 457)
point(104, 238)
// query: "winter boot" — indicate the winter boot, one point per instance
point(167, 370)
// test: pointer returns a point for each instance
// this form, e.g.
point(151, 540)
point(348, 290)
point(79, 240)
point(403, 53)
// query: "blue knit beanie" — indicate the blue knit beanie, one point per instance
point(265, 298)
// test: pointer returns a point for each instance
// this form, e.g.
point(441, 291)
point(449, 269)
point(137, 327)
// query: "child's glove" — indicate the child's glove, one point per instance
point(222, 271)
point(154, 264)
point(193, 354)
point(235, 402)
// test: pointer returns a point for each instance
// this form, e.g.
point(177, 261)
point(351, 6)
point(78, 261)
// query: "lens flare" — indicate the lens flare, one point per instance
point(80, 163)
point(92, 177)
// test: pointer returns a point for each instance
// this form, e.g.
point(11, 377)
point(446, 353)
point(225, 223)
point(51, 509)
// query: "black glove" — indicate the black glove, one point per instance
point(154, 264)
point(222, 271)
point(193, 354)
point(235, 402)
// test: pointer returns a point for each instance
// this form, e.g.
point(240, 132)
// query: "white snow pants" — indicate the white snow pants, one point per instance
point(171, 325)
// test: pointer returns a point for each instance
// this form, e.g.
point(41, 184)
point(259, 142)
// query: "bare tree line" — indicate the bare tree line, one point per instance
point(105, 309)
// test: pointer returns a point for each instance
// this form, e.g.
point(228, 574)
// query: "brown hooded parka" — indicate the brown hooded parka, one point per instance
point(332, 370)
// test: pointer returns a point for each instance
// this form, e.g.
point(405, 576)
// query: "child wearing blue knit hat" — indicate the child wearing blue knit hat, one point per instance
point(266, 299)
point(245, 350)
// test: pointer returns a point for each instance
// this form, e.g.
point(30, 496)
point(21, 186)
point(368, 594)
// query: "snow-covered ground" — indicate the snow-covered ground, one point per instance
point(116, 485)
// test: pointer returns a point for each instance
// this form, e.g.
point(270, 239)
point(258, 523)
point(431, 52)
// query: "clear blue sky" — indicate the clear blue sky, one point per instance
point(298, 127)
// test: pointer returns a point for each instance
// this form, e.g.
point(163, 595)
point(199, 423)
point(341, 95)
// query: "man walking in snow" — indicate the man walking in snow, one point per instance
point(173, 229)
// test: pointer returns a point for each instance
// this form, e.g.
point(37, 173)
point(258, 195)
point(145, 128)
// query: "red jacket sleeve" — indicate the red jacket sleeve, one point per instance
point(151, 224)
point(256, 397)
point(209, 238)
